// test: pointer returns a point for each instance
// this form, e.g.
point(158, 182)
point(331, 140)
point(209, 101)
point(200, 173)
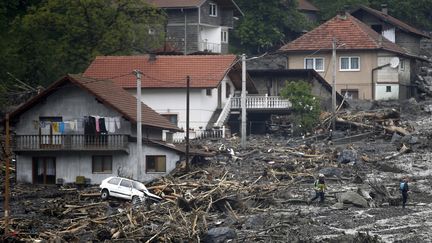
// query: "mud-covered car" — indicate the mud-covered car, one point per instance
point(127, 189)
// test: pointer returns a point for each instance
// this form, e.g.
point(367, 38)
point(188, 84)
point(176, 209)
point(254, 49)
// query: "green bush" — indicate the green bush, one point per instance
point(305, 107)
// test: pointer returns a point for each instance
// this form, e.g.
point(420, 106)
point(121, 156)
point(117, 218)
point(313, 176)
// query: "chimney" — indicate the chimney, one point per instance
point(342, 13)
point(384, 8)
point(152, 57)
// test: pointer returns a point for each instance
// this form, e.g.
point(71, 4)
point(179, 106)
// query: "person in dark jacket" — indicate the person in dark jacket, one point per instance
point(320, 188)
point(403, 187)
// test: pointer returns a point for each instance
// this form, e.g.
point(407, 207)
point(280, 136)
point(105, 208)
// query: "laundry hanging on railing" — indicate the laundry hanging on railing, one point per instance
point(90, 125)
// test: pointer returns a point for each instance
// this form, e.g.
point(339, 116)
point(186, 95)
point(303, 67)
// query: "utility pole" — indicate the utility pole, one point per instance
point(139, 123)
point(187, 121)
point(7, 186)
point(243, 103)
point(334, 84)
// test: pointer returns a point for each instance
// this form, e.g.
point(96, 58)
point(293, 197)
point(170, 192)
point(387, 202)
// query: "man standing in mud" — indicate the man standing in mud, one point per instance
point(319, 187)
point(403, 187)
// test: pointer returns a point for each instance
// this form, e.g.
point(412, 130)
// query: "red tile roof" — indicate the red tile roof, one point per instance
point(110, 95)
point(392, 20)
point(205, 71)
point(350, 32)
point(306, 5)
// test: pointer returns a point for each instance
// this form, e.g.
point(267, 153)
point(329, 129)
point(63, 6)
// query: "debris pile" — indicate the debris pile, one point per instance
point(261, 193)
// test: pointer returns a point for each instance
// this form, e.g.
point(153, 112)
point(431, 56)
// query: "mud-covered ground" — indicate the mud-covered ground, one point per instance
point(272, 188)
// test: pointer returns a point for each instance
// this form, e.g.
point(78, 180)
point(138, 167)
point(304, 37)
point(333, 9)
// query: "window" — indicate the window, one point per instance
point(213, 10)
point(224, 36)
point(172, 118)
point(209, 92)
point(388, 88)
point(102, 164)
point(156, 163)
point(316, 63)
point(402, 65)
point(114, 181)
point(126, 183)
point(350, 64)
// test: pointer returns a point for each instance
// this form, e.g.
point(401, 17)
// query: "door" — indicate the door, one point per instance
point(125, 189)
point(44, 170)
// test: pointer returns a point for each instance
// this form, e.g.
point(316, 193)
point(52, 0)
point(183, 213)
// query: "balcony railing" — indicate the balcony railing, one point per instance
point(72, 142)
point(261, 102)
point(210, 47)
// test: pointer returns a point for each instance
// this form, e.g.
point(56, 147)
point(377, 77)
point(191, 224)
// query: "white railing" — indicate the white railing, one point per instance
point(210, 47)
point(180, 137)
point(224, 113)
point(261, 102)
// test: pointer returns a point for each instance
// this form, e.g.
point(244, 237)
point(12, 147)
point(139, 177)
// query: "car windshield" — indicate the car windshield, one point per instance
point(139, 186)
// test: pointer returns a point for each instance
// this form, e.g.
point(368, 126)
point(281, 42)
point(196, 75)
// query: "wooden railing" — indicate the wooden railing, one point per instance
point(73, 142)
point(261, 102)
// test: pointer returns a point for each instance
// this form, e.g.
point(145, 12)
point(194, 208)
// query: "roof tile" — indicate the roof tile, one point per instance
point(205, 71)
point(349, 31)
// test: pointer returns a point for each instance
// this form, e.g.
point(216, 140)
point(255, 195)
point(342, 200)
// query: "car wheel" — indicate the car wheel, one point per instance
point(136, 200)
point(104, 194)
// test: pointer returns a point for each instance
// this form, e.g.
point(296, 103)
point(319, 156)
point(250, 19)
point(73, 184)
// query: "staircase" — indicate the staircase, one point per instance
point(224, 113)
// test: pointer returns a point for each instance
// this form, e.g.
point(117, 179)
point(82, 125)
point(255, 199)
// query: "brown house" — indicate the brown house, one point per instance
point(368, 66)
point(391, 28)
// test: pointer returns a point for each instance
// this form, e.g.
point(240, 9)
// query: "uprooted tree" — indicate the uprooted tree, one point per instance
point(305, 107)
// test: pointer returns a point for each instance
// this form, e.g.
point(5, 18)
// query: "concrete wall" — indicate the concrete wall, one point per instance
point(72, 103)
point(352, 80)
point(383, 94)
point(69, 165)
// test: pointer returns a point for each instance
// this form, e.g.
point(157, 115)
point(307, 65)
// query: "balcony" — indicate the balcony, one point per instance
point(70, 142)
point(261, 102)
point(210, 47)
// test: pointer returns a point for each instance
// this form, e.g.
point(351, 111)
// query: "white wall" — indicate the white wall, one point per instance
point(382, 94)
point(69, 165)
point(213, 35)
point(173, 101)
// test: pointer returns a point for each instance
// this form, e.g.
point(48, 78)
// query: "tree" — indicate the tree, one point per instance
point(305, 107)
point(268, 24)
point(56, 37)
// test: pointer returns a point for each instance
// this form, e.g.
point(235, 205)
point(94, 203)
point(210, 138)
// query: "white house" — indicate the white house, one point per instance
point(213, 79)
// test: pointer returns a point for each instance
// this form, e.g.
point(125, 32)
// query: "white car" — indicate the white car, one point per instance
point(126, 189)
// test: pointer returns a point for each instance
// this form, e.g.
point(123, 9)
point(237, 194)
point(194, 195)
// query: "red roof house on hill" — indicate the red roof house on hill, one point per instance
point(369, 66)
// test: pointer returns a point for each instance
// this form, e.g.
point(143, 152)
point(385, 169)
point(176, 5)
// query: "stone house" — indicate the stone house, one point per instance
point(199, 25)
point(87, 127)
